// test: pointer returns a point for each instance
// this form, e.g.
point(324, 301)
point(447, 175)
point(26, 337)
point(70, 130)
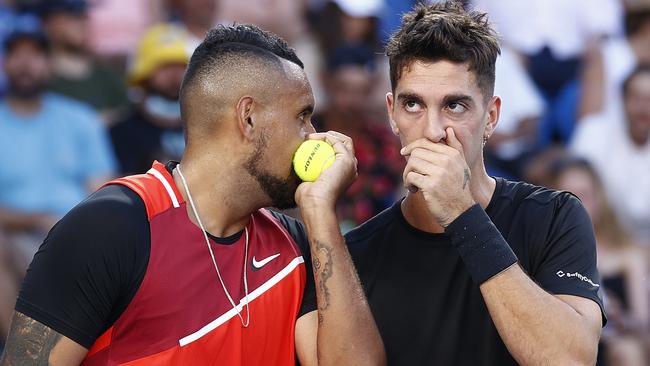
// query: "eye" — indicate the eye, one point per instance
point(456, 108)
point(412, 106)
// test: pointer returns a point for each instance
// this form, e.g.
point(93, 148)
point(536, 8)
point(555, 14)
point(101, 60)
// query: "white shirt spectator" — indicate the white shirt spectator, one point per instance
point(623, 167)
point(565, 26)
point(519, 101)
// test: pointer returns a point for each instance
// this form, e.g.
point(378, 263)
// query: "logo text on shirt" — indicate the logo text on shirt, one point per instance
point(580, 276)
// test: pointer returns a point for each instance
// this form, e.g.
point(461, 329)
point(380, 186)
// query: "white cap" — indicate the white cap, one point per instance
point(361, 8)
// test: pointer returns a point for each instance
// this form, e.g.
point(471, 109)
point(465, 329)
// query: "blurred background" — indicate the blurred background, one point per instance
point(89, 91)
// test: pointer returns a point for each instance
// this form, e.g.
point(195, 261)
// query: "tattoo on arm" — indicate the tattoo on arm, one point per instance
point(466, 178)
point(322, 261)
point(29, 342)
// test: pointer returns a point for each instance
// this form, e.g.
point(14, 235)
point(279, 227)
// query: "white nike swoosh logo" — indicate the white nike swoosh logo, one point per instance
point(263, 262)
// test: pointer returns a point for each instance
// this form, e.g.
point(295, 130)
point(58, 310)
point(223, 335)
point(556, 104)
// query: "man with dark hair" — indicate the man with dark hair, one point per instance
point(469, 269)
point(182, 265)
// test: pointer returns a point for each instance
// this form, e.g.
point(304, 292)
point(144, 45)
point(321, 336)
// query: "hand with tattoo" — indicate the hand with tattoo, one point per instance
point(440, 173)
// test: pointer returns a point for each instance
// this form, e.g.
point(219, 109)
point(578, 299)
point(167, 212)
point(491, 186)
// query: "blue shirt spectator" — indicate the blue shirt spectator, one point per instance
point(10, 22)
point(52, 155)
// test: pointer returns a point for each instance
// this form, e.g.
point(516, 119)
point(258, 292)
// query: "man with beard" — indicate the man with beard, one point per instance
point(76, 72)
point(153, 130)
point(55, 150)
point(182, 265)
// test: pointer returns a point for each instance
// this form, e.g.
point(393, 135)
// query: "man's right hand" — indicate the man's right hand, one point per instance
point(333, 182)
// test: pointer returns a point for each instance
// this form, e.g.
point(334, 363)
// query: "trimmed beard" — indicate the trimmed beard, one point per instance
point(281, 191)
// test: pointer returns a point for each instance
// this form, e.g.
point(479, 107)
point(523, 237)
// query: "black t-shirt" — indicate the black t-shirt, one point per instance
point(93, 261)
point(138, 141)
point(427, 308)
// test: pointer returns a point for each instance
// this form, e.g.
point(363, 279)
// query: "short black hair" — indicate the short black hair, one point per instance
point(36, 37)
point(240, 40)
point(445, 31)
point(229, 48)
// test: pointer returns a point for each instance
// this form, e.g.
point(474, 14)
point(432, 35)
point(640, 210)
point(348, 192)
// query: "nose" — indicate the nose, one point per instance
point(434, 128)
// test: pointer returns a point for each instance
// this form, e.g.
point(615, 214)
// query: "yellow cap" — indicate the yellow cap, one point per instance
point(162, 44)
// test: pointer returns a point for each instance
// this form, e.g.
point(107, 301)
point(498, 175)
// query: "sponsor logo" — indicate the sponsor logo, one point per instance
point(257, 265)
point(579, 276)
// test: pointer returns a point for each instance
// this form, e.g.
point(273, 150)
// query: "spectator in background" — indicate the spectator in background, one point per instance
point(607, 66)
point(622, 265)
point(77, 73)
point(354, 23)
point(196, 17)
point(10, 21)
point(349, 80)
point(620, 153)
point(55, 150)
point(350, 23)
point(153, 130)
point(552, 36)
point(512, 144)
point(116, 26)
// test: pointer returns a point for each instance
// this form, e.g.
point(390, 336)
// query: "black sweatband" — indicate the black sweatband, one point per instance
point(480, 244)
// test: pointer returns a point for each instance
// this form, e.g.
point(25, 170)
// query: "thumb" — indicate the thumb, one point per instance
point(452, 140)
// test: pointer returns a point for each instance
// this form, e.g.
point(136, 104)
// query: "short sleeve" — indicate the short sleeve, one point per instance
point(299, 234)
point(89, 267)
point(568, 264)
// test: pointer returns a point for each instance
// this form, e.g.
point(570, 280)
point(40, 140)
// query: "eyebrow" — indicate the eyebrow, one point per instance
point(455, 98)
point(410, 96)
point(307, 109)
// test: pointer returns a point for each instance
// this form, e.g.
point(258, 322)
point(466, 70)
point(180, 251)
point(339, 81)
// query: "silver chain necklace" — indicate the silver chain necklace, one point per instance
point(214, 261)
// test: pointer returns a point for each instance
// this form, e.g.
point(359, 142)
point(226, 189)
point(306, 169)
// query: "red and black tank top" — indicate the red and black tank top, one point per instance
point(180, 314)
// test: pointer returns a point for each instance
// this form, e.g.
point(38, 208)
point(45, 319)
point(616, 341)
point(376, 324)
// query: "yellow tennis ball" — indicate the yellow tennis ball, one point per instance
point(312, 158)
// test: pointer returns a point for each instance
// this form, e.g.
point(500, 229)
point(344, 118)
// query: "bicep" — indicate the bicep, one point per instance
point(33, 343)
point(306, 339)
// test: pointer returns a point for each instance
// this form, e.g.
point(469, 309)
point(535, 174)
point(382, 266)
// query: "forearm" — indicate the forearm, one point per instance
point(347, 334)
point(537, 327)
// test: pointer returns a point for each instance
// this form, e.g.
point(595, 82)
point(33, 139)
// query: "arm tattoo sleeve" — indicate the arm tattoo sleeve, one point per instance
point(29, 342)
point(322, 261)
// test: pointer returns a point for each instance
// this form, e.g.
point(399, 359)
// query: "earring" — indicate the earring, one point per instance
point(485, 140)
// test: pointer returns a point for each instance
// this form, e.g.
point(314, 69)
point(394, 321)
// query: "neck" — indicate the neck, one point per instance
point(24, 106)
point(221, 200)
point(418, 215)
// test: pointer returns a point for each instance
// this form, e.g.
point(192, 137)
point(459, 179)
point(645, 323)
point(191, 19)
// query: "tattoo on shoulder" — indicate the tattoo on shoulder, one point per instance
point(29, 342)
point(466, 178)
point(322, 261)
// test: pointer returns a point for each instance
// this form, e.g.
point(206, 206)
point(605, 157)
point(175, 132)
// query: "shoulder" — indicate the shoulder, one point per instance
point(109, 209)
point(373, 227)
point(294, 227)
point(542, 206)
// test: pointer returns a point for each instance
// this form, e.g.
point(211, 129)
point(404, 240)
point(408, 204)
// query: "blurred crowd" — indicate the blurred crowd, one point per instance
point(89, 91)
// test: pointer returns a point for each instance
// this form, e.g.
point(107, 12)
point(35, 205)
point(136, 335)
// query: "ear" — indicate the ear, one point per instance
point(493, 112)
point(389, 106)
point(245, 123)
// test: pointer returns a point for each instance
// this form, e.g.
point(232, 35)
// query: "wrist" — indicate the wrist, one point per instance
point(480, 244)
point(457, 212)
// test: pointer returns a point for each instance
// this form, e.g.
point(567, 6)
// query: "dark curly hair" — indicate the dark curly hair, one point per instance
point(445, 31)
